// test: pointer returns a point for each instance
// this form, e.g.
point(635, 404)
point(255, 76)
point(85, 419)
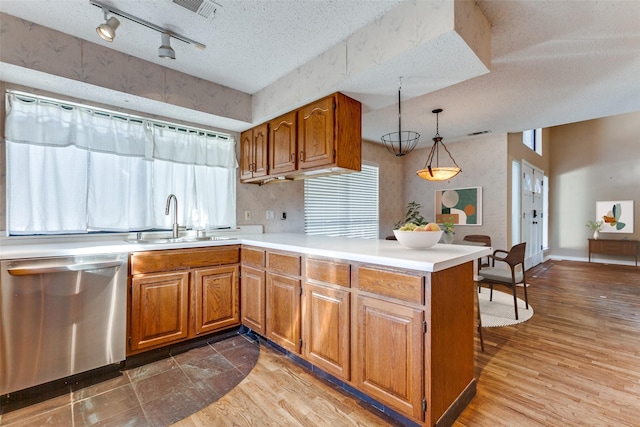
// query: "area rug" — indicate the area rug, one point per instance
point(500, 312)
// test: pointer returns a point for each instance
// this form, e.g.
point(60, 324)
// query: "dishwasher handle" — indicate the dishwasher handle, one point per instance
point(37, 269)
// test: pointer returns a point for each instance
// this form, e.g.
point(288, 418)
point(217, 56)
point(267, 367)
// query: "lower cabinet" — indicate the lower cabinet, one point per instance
point(326, 337)
point(389, 357)
point(283, 311)
point(167, 307)
point(159, 309)
point(403, 337)
point(217, 304)
point(253, 296)
point(253, 289)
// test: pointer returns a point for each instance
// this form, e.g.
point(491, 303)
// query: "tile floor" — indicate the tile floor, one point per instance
point(155, 394)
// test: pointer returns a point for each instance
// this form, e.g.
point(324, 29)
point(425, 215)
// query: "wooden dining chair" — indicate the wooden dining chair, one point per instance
point(507, 277)
point(480, 238)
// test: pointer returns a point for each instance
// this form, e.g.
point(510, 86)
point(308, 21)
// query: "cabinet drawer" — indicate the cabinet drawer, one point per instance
point(253, 257)
point(336, 273)
point(393, 284)
point(283, 263)
point(180, 259)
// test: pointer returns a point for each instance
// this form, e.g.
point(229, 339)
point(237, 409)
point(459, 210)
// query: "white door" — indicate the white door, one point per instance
point(532, 225)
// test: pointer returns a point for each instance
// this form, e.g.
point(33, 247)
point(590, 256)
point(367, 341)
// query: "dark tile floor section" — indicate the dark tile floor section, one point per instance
point(155, 394)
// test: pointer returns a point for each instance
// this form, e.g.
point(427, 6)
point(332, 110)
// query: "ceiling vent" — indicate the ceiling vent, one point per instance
point(204, 8)
point(482, 132)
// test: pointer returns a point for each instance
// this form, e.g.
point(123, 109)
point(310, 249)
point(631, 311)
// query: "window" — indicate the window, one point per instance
point(76, 169)
point(343, 205)
point(533, 139)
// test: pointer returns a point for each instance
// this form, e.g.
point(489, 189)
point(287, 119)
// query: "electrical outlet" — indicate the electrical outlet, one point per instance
point(269, 214)
point(247, 215)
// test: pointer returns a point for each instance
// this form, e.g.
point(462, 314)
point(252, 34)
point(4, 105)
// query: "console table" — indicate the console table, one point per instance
point(614, 247)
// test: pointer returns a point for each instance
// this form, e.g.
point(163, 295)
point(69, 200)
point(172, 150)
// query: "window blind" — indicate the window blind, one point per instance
point(343, 205)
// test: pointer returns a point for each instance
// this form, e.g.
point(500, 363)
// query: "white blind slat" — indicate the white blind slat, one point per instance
point(343, 205)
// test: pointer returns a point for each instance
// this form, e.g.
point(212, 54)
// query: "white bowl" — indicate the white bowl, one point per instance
point(417, 239)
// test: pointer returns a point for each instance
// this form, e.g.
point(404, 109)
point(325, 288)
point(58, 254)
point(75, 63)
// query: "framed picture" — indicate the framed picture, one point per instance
point(616, 215)
point(461, 206)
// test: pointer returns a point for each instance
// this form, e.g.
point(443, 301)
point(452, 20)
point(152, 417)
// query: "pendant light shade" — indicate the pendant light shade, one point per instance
point(432, 170)
point(401, 142)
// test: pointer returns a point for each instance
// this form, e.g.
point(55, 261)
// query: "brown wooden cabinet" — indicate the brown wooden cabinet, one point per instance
point(159, 309)
point(283, 300)
point(330, 134)
point(403, 337)
point(217, 304)
point(319, 138)
point(389, 361)
point(390, 330)
point(282, 144)
point(326, 316)
point(181, 293)
point(254, 153)
point(253, 289)
point(614, 247)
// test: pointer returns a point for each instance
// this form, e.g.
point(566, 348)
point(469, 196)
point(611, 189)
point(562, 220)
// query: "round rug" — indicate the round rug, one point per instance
point(500, 312)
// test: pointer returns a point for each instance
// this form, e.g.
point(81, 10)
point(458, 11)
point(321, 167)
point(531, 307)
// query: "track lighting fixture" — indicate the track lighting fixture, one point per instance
point(107, 30)
point(165, 51)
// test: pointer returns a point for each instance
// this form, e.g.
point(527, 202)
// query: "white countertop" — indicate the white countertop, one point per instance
point(382, 252)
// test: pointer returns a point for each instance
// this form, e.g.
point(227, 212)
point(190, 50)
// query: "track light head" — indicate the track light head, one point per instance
point(107, 30)
point(165, 50)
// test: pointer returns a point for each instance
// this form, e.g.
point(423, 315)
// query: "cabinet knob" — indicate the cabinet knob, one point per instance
point(301, 156)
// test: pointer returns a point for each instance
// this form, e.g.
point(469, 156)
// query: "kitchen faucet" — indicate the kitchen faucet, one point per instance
point(175, 213)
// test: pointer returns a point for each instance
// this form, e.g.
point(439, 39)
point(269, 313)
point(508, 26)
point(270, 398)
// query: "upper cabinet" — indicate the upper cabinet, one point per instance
point(253, 160)
point(319, 138)
point(282, 144)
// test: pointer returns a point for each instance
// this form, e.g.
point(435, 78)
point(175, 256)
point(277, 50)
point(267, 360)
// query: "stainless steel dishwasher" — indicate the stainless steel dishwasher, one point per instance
point(60, 316)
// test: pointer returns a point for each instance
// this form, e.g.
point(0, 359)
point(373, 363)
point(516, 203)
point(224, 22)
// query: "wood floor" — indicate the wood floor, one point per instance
point(575, 363)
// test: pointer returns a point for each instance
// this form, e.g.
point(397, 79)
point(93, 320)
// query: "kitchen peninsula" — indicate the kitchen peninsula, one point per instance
point(393, 323)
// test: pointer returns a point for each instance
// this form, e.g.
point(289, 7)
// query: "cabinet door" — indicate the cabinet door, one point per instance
point(253, 299)
point(282, 144)
point(254, 152)
point(316, 139)
point(247, 153)
point(159, 309)
point(283, 311)
point(217, 303)
point(390, 354)
point(261, 147)
point(326, 338)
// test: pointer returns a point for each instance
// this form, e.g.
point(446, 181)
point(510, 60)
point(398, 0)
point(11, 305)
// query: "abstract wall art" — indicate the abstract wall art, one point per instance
point(461, 206)
point(617, 216)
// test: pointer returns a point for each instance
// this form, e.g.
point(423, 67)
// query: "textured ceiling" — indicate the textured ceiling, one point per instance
point(552, 62)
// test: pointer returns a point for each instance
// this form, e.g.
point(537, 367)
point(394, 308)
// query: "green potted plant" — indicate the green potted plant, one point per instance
point(448, 235)
point(596, 226)
point(412, 216)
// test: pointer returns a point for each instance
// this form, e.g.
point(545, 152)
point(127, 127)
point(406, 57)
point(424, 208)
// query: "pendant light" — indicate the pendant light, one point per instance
point(437, 172)
point(401, 142)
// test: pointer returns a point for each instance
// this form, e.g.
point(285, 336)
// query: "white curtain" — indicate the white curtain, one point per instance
point(72, 169)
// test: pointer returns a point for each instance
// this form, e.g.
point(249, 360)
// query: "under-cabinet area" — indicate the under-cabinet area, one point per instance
point(180, 294)
point(403, 337)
